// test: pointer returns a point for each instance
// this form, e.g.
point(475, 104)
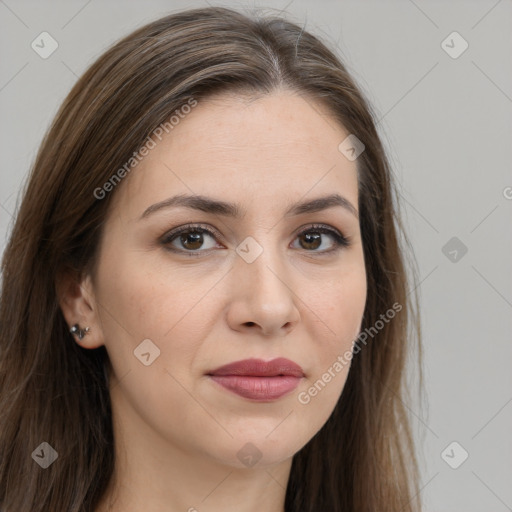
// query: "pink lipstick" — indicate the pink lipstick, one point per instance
point(259, 380)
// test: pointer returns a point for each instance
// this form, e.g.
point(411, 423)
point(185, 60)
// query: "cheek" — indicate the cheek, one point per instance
point(339, 305)
point(341, 310)
point(143, 310)
point(336, 317)
point(139, 296)
point(139, 300)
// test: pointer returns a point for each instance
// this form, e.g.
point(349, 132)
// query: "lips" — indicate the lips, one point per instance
point(260, 368)
point(259, 380)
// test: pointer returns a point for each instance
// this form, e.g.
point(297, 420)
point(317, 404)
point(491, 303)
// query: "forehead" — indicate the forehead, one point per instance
point(260, 151)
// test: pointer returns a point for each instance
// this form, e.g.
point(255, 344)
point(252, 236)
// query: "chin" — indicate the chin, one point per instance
point(259, 446)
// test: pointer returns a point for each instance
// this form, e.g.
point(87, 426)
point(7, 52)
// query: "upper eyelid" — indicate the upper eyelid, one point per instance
point(339, 237)
point(211, 230)
point(191, 227)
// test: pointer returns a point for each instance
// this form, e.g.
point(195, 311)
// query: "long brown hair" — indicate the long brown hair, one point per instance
point(54, 391)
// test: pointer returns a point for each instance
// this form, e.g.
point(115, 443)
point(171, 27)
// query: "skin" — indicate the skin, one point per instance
point(177, 433)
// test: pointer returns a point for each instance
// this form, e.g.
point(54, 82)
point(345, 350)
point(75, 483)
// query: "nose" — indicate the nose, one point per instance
point(263, 298)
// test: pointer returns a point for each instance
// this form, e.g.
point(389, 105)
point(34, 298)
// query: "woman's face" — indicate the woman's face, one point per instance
point(266, 284)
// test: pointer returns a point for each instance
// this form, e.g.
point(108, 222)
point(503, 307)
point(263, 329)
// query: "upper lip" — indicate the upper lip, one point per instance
point(260, 368)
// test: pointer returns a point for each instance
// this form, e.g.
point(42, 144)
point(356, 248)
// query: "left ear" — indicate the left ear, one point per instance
point(77, 303)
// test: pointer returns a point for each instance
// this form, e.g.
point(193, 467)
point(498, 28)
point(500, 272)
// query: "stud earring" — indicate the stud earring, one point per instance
point(79, 332)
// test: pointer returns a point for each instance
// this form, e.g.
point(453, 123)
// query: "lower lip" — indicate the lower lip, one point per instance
point(261, 389)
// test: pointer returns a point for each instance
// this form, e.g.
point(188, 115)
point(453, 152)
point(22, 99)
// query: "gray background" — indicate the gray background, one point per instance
point(447, 125)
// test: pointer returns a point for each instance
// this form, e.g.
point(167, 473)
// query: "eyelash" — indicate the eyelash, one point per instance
point(340, 240)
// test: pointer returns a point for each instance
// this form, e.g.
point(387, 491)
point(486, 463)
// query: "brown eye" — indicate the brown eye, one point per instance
point(189, 239)
point(311, 239)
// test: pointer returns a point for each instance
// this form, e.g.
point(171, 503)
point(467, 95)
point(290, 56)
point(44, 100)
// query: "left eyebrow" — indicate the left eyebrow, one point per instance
point(234, 210)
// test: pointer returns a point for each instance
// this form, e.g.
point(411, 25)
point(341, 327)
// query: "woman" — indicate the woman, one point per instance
point(205, 304)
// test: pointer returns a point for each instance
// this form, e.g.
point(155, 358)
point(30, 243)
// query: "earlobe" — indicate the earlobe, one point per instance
point(79, 332)
point(76, 302)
